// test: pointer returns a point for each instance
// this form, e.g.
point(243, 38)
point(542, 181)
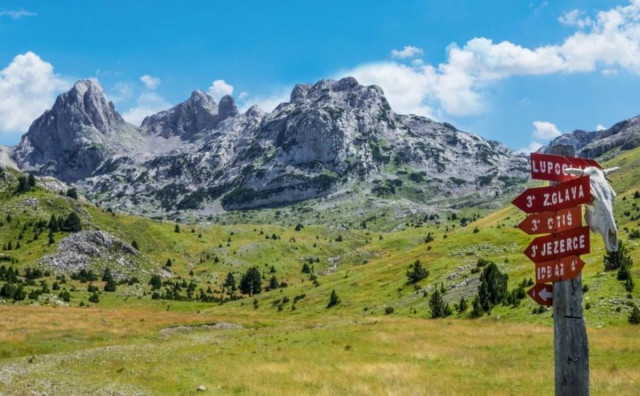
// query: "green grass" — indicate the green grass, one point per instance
point(352, 348)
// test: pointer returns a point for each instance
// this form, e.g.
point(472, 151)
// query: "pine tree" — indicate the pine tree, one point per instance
point(72, 193)
point(634, 318)
point(416, 272)
point(251, 282)
point(176, 228)
point(31, 181)
point(617, 259)
point(273, 283)
point(436, 305)
point(333, 299)
point(493, 287)
point(72, 223)
point(230, 282)
point(463, 305)
point(134, 244)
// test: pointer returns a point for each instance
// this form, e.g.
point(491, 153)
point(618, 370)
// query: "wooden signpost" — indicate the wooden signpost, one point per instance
point(555, 211)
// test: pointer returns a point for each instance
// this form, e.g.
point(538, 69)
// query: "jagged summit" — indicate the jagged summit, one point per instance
point(71, 139)
point(624, 135)
point(197, 113)
point(227, 108)
point(331, 136)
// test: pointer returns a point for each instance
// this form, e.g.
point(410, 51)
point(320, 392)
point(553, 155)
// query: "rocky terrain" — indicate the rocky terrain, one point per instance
point(624, 135)
point(205, 157)
point(92, 250)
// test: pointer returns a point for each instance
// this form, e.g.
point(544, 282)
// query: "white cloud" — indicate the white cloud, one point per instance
point(407, 52)
point(600, 127)
point(405, 87)
point(147, 103)
point(574, 18)
point(122, 92)
point(220, 88)
point(15, 14)
point(458, 86)
point(545, 130)
point(28, 87)
point(150, 82)
point(531, 148)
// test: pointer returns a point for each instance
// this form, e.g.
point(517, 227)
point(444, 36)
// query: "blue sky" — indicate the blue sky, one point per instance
point(515, 71)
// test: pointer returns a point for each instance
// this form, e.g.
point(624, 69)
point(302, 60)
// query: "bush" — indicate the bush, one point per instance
point(94, 298)
point(155, 282)
point(110, 286)
point(388, 310)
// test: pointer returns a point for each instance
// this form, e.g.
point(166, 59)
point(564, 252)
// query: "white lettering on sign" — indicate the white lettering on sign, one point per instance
point(561, 246)
point(561, 196)
point(552, 168)
point(561, 220)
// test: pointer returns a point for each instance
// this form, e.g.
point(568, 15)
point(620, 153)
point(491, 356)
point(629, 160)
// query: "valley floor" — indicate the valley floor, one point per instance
point(137, 351)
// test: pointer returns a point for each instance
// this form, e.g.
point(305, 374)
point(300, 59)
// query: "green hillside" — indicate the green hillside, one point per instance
point(379, 338)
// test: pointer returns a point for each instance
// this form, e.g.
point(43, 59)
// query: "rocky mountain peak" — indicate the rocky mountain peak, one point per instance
point(197, 113)
point(87, 104)
point(227, 108)
point(71, 139)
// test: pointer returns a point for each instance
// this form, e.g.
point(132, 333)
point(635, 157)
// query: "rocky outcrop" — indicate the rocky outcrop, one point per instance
point(73, 138)
point(624, 135)
point(5, 158)
point(90, 249)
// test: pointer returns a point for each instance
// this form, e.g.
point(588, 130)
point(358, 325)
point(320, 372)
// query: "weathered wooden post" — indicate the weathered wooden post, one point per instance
point(571, 346)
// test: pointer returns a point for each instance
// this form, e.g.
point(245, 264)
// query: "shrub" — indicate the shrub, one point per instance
point(94, 298)
point(135, 245)
point(388, 310)
point(110, 286)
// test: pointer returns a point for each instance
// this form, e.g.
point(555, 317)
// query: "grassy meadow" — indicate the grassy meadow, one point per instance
point(379, 339)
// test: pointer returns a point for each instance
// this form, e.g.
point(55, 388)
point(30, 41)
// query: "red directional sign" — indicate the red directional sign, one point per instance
point(542, 293)
point(552, 222)
point(561, 196)
point(551, 167)
point(559, 270)
point(557, 246)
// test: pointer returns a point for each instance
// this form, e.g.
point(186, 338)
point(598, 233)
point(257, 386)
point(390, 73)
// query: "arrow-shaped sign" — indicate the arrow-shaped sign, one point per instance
point(560, 196)
point(557, 246)
point(552, 222)
point(559, 270)
point(551, 167)
point(542, 293)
